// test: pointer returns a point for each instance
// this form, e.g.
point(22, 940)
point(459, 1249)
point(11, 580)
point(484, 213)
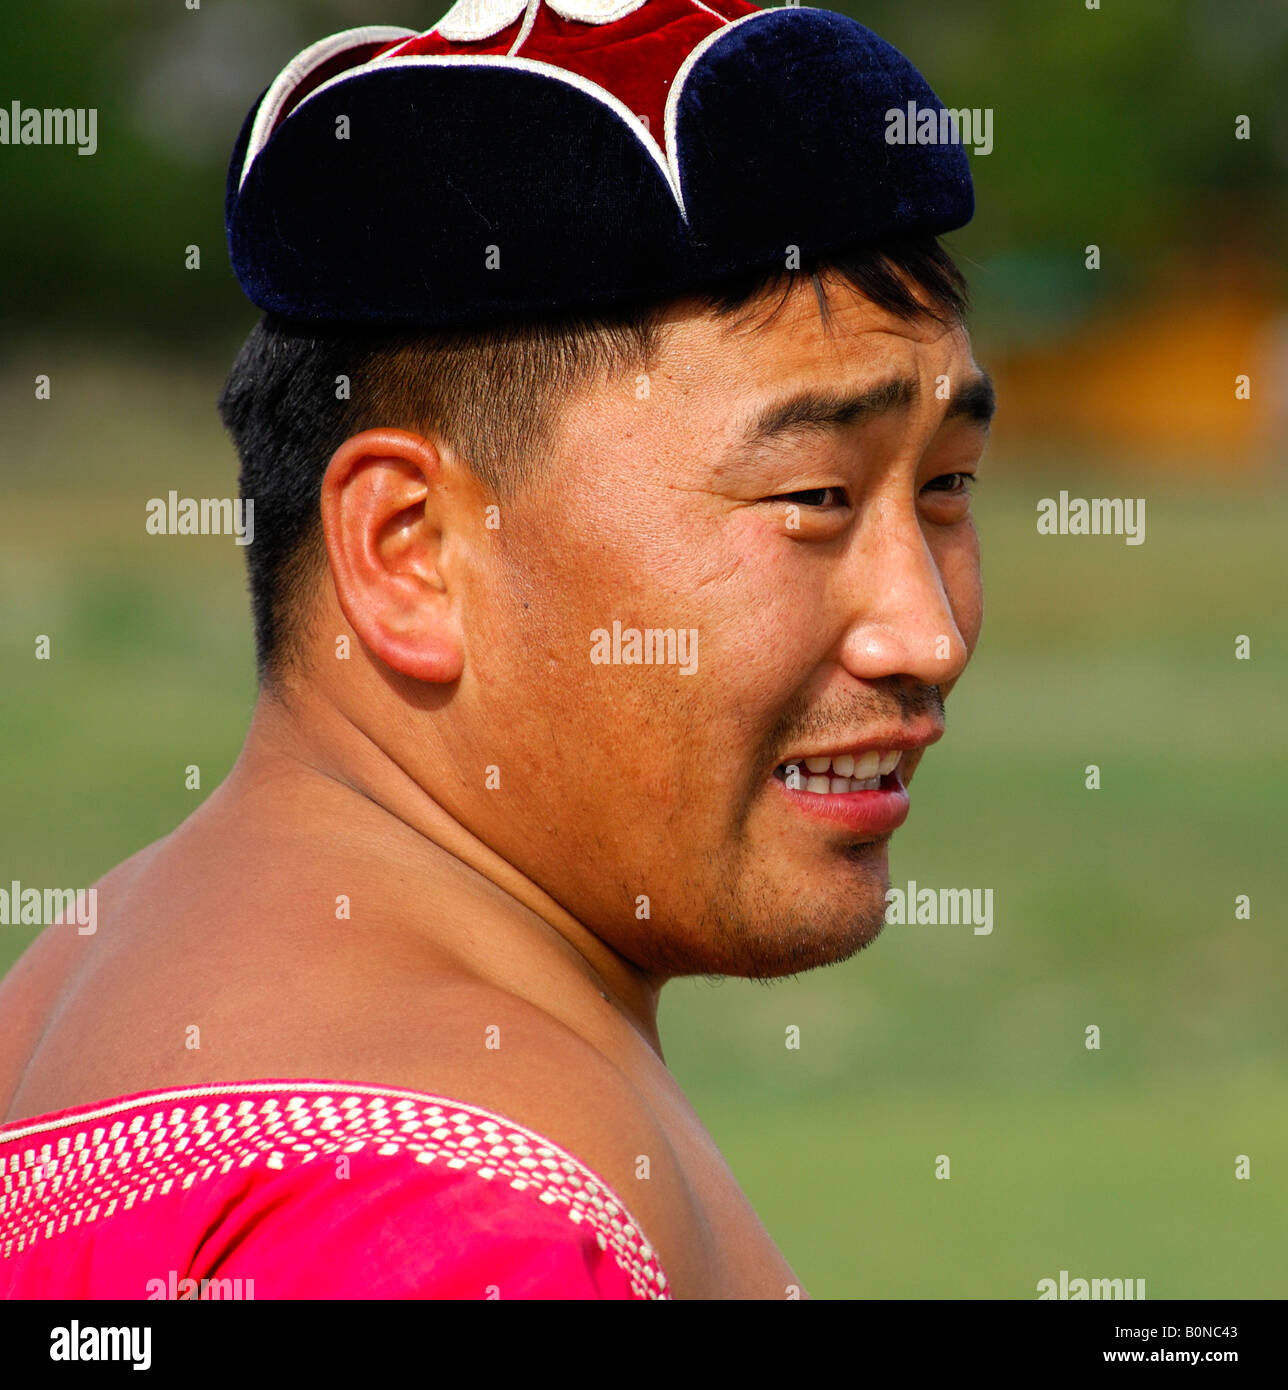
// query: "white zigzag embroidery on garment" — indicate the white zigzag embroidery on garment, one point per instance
point(87, 1167)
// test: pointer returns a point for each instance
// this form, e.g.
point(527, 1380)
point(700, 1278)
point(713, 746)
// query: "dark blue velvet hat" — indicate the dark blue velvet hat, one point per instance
point(557, 156)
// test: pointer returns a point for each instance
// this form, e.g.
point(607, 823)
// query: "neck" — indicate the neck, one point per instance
point(306, 764)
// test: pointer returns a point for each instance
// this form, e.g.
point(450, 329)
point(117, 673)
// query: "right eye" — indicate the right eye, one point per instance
point(815, 497)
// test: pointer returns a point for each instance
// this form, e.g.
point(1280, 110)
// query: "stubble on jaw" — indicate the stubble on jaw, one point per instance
point(733, 915)
point(730, 913)
point(752, 927)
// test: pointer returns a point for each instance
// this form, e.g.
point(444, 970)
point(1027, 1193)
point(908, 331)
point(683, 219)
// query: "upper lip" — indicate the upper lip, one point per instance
point(904, 739)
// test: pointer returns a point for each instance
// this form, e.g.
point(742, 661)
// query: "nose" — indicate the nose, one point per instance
point(903, 622)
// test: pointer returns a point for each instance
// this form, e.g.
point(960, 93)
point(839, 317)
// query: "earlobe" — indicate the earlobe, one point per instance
point(384, 513)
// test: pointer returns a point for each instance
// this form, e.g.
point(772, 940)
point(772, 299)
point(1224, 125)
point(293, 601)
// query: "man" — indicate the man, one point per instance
point(613, 560)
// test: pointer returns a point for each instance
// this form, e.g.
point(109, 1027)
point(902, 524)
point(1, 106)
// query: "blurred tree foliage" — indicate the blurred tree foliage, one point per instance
point(1114, 126)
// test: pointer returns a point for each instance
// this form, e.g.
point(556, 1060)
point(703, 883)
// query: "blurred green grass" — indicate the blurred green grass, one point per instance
point(1113, 907)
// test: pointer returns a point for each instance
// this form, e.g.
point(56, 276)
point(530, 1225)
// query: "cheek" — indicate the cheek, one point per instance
point(761, 608)
point(587, 725)
point(959, 568)
point(752, 611)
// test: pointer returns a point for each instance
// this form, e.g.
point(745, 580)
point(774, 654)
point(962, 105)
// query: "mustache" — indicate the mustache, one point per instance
point(885, 703)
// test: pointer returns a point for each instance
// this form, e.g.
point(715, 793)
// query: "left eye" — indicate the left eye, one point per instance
point(951, 482)
point(815, 497)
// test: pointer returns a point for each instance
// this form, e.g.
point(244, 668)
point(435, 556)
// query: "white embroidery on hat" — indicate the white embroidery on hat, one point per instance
point(664, 151)
point(470, 20)
point(594, 11)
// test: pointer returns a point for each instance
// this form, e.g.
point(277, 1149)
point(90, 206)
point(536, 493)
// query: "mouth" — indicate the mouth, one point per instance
point(862, 792)
point(840, 774)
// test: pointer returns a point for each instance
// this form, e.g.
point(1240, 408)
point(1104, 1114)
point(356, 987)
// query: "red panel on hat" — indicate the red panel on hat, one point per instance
point(635, 57)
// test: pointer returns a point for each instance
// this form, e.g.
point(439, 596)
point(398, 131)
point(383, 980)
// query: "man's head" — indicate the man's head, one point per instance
point(652, 595)
point(769, 477)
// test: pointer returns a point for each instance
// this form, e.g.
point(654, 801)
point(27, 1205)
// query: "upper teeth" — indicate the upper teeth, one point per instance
point(846, 773)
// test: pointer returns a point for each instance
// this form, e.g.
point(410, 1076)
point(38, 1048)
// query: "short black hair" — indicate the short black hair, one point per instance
point(297, 391)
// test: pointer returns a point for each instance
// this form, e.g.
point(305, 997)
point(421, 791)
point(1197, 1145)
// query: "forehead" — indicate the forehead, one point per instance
point(714, 375)
point(829, 334)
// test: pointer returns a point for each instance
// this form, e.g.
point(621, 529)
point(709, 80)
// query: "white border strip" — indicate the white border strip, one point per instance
point(673, 99)
point(539, 69)
point(305, 62)
point(529, 20)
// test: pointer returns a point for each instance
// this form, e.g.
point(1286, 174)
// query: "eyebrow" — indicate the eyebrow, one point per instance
point(811, 410)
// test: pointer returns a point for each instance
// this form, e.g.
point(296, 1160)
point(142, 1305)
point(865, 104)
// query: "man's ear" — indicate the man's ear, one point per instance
point(383, 512)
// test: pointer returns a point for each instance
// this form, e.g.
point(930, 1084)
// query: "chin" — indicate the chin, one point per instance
point(764, 920)
point(793, 953)
point(761, 950)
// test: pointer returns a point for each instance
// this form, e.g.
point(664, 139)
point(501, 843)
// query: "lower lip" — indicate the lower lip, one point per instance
point(876, 812)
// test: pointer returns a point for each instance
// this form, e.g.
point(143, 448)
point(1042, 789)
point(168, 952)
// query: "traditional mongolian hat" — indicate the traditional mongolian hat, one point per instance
point(561, 156)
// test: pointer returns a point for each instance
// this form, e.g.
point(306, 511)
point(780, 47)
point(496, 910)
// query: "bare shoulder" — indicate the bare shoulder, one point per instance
point(40, 980)
point(491, 1049)
point(151, 1004)
point(474, 1043)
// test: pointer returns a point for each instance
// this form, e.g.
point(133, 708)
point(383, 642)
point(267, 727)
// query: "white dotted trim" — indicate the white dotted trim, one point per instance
point(89, 1174)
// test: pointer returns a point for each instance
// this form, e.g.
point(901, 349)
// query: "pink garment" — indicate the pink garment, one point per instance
point(306, 1189)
